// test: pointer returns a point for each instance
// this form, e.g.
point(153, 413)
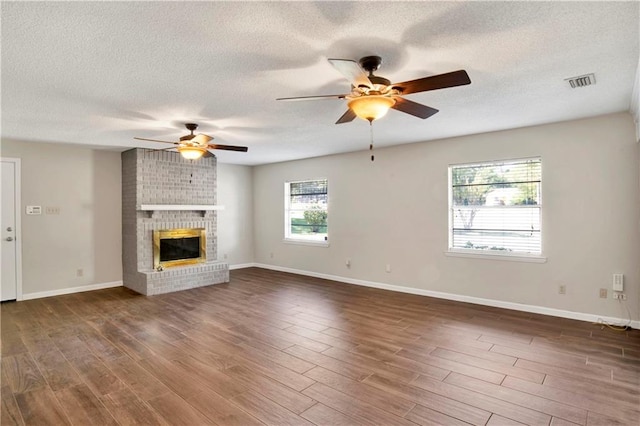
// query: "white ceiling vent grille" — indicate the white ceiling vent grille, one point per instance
point(581, 80)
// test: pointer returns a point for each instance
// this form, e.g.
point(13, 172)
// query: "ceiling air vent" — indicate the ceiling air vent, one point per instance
point(581, 80)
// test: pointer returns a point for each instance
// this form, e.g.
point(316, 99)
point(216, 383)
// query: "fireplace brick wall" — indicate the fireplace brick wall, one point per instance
point(161, 177)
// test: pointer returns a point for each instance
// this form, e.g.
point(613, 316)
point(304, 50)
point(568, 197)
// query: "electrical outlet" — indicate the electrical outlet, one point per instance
point(271, 255)
point(622, 296)
point(615, 295)
point(80, 272)
point(562, 289)
point(225, 255)
point(603, 293)
point(52, 210)
point(348, 262)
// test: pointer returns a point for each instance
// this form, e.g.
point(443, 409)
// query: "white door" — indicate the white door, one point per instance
point(8, 233)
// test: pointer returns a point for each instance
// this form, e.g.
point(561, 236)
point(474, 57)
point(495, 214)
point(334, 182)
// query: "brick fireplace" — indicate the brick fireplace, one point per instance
point(161, 191)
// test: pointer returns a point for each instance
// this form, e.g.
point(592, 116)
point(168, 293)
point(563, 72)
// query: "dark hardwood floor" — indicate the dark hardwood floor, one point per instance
point(281, 349)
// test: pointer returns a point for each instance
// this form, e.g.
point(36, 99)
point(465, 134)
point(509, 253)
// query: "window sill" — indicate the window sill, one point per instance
point(306, 242)
point(491, 256)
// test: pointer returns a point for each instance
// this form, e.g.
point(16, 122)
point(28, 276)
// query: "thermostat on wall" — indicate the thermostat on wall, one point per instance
point(34, 209)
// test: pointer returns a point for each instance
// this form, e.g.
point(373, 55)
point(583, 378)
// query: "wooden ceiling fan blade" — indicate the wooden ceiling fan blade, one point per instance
point(413, 108)
point(155, 140)
point(208, 154)
point(352, 71)
point(228, 147)
point(312, 98)
point(435, 82)
point(347, 117)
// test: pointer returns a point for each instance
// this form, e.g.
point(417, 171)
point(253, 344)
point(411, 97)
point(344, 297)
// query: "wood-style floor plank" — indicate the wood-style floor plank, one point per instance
point(552, 408)
point(322, 415)
point(41, 407)
point(128, 409)
point(176, 411)
point(56, 369)
point(351, 406)
point(427, 417)
point(347, 370)
point(489, 403)
point(83, 407)
point(361, 391)
point(280, 349)
point(139, 380)
point(498, 367)
point(277, 392)
point(221, 411)
point(380, 367)
point(267, 411)
point(591, 402)
point(9, 411)
point(432, 401)
point(21, 373)
point(425, 363)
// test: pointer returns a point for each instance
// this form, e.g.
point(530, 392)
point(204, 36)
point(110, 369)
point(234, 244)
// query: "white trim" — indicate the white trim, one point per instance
point(242, 266)
point(491, 256)
point(199, 207)
point(18, 221)
point(460, 298)
point(70, 290)
point(317, 243)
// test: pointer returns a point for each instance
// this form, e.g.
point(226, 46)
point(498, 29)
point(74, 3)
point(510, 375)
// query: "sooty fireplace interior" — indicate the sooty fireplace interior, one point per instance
point(176, 247)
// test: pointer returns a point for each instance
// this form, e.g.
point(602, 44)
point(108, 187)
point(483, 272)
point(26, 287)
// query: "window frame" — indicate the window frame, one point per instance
point(291, 238)
point(491, 254)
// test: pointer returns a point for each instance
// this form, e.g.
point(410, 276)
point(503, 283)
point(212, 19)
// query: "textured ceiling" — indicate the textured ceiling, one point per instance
point(100, 73)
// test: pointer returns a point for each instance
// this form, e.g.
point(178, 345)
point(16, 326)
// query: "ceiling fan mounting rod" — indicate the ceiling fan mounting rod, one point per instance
point(191, 126)
point(370, 63)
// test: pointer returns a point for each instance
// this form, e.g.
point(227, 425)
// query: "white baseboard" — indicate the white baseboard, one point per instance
point(70, 290)
point(242, 266)
point(458, 297)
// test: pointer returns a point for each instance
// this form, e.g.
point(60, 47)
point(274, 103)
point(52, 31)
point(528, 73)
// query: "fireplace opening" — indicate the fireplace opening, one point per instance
point(176, 247)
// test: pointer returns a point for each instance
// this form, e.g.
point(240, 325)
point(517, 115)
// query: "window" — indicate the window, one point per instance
point(494, 207)
point(306, 210)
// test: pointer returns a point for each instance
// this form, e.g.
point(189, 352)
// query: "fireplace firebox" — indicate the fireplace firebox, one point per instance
point(178, 247)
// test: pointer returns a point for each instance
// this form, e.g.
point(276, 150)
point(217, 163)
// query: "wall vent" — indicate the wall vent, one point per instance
point(581, 80)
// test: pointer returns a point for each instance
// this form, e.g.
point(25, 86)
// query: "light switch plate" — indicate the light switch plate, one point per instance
point(618, 282)
point(34, 210)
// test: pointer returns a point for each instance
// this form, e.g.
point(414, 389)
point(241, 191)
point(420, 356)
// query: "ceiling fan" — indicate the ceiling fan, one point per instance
point(371, 96)
point(193, 146)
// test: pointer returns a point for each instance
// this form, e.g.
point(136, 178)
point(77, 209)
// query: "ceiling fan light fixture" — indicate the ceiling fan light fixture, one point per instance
point(191, 152)
point(371, 107)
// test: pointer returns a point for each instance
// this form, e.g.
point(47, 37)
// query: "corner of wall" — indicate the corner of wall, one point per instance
point(634, 108)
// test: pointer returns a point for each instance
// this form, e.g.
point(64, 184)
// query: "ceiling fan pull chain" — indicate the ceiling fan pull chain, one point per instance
point(371, 143)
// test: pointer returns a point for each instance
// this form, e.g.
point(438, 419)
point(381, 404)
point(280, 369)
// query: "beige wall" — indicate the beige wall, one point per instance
point(235, 222)
point(86, 234)
point(394, 211)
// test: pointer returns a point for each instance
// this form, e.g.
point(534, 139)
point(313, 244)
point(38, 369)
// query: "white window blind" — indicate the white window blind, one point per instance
point(496, 207)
